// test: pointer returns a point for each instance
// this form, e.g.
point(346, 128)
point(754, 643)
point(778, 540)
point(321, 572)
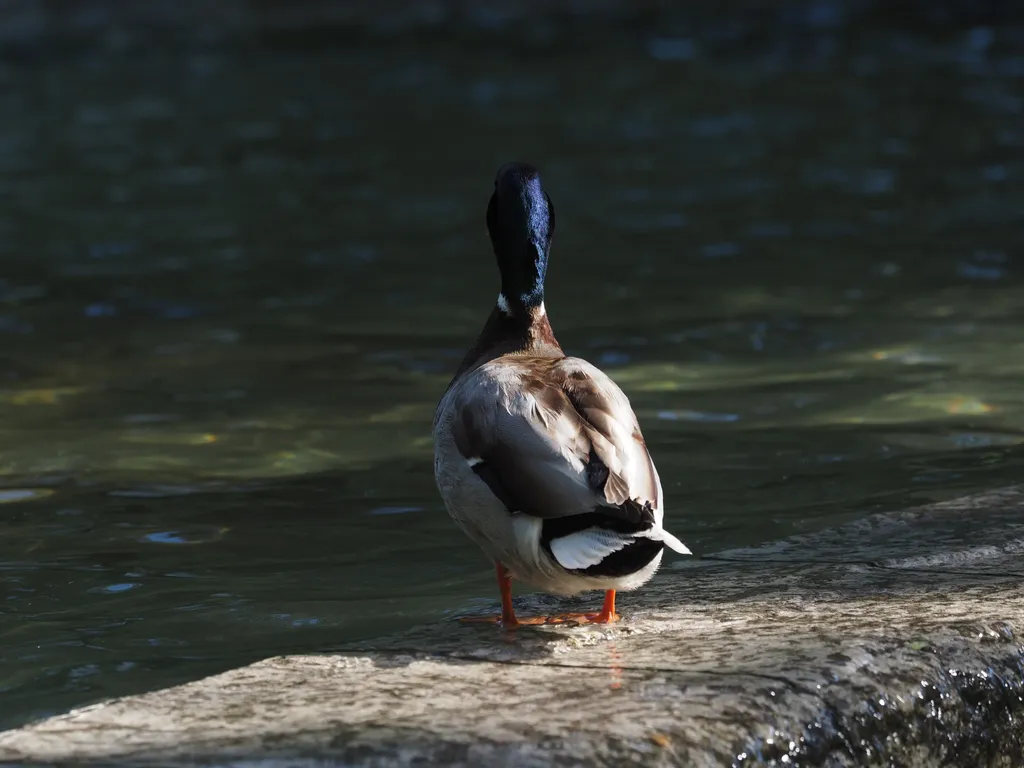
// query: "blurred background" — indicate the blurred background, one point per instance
point(242, 250)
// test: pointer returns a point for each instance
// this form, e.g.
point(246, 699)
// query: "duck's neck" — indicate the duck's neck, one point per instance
point(512, 330)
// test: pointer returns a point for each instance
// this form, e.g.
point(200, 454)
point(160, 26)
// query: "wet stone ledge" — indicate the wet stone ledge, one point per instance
point(891, 641)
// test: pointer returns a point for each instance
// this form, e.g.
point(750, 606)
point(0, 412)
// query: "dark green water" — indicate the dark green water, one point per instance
point(234, 280)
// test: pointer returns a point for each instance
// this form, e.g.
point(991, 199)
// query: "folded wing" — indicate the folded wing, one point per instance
point(560, 441)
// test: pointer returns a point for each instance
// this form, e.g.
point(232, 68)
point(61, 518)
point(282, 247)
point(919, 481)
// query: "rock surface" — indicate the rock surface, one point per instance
point(890, 641)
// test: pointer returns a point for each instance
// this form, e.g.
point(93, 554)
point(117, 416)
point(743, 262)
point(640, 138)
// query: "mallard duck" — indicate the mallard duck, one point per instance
point(538, 456)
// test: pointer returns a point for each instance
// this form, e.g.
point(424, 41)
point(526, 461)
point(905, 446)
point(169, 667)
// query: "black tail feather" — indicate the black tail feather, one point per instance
point(630, 559)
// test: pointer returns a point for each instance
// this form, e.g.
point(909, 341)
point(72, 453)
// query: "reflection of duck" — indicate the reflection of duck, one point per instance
point(538, 456)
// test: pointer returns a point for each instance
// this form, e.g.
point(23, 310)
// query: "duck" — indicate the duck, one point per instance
point(538, 456)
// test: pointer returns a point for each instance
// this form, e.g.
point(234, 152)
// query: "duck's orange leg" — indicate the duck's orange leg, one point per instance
point(508, 615)
point(607, 614)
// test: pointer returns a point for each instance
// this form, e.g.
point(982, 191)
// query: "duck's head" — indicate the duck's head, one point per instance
point(521, 222)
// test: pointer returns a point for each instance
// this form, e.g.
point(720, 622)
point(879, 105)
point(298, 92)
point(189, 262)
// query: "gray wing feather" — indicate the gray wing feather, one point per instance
point(555, 438)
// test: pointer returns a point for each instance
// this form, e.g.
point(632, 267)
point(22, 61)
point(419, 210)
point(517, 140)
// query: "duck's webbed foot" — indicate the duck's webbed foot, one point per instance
point(509, 620)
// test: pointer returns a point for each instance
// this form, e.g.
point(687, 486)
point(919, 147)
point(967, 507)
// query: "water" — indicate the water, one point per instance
point(236, 277)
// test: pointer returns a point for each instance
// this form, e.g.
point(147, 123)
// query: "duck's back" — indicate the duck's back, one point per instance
point(549, 437)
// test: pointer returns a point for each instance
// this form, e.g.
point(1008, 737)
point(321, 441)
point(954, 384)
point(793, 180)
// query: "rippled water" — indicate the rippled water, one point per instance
point(235, 278)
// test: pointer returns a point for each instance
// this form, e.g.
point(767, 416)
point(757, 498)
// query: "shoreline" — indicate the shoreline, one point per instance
point(893, 638)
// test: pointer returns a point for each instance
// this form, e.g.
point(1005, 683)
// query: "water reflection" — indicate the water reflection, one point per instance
point(234, 285)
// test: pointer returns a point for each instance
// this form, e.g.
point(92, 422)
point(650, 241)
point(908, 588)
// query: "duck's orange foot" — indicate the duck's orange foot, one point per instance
point(516, 621)
point(604, 618)
point(607, 614)
point(582, 618)
point(559, 619)
point(509, 620)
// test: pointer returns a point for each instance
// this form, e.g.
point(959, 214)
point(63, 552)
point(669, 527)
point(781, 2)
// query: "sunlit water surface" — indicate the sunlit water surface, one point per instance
point(234, 282)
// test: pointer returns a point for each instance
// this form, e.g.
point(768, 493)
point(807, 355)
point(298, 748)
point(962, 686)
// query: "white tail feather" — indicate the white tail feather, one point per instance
point(583, 549)
point(586, 548)
point(666, 538)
